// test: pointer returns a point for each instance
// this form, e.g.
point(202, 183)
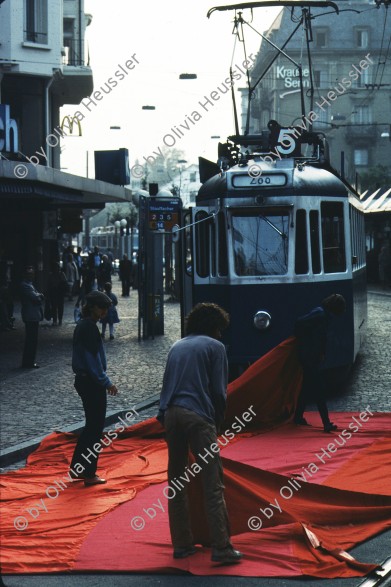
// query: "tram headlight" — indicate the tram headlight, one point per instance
point(262, 320)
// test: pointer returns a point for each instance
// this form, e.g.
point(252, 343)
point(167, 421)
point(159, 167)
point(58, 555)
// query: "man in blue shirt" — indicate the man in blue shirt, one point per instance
point(311, 332)
point(192, 406)
point(91, 383)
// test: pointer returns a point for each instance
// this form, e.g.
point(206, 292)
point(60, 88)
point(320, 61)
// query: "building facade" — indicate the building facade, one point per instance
point(351, 71)
point(43, 65)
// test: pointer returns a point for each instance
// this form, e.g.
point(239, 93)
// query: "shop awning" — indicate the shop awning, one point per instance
point(31, 183)
point(377, 201)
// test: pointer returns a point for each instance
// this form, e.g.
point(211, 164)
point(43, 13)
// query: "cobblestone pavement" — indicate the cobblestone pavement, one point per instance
point(36, 402)
point(370, 380)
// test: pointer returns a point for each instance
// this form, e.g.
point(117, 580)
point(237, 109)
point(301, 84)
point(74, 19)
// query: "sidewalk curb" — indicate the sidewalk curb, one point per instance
point(16, 453)
point(385, 293)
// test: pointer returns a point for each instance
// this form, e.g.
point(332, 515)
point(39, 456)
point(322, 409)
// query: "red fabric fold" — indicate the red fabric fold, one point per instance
point(71, 527)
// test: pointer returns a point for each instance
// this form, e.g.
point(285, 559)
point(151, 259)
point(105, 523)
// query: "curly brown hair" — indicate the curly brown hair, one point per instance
point(205, 318)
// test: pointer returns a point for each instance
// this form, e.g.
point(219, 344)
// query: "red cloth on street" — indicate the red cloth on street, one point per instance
point(311, 496)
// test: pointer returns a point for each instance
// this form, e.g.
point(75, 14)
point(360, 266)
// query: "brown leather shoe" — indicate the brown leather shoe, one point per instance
point(94, 481)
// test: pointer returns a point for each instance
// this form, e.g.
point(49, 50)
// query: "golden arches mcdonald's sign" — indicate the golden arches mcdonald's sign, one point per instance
point(68, 122)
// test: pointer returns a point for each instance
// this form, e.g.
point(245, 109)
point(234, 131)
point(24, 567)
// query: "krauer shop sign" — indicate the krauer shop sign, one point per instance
point(291, 76)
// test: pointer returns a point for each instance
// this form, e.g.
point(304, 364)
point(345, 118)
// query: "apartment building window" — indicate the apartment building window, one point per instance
point(36, 21)
point(362, 38)
point(320, 78)
point(323, 116)
point(363, 79)
point(320, 39)
point(362, 115)
point(361, 156)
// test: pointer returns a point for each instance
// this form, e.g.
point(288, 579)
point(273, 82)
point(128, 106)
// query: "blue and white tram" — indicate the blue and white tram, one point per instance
point(270, 248)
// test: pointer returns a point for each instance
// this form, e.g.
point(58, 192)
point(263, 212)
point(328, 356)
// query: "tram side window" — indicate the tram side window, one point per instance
point(301, 255)
point(222, 244)
point(357, 237)
point(202, 234)
point(188, 246)
point(333, 236)
point(212, 252)
point(314, 235)
point(362, 252)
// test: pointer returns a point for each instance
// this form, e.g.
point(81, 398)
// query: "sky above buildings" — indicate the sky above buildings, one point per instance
point(162, 40)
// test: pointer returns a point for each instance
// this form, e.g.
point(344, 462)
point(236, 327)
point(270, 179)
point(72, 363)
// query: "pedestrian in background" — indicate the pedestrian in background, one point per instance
point(72, 275)
point(32, 314)
point(79, 264)
point(111, 317)
point(104, 272)
point(311, 331)
point(192, 408)
point(92, 384)
point(94, 261)
point(125, 273)
point(385, 265)
point(57, 288)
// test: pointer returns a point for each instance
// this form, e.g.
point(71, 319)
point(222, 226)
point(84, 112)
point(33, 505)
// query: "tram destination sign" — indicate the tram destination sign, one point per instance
point(163, 214)
point(265, 180)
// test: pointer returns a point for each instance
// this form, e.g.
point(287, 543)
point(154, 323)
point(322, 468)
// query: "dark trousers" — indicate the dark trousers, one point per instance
point(57, 302)
point(125, 286)
point(186, 429)
point(94, 400)
point(30, 344)
point(312, 390)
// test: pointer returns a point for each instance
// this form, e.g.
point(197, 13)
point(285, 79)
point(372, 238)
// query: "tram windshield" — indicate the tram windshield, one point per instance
point(260, 242)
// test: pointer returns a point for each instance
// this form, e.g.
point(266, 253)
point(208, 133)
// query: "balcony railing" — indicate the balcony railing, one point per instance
point(360, 131)
point(72, 55)
point(34, 36)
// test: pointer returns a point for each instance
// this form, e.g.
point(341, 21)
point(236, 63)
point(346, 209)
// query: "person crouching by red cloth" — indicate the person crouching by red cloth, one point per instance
point(91, 383)
point(192, 408)
point(311, 331)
